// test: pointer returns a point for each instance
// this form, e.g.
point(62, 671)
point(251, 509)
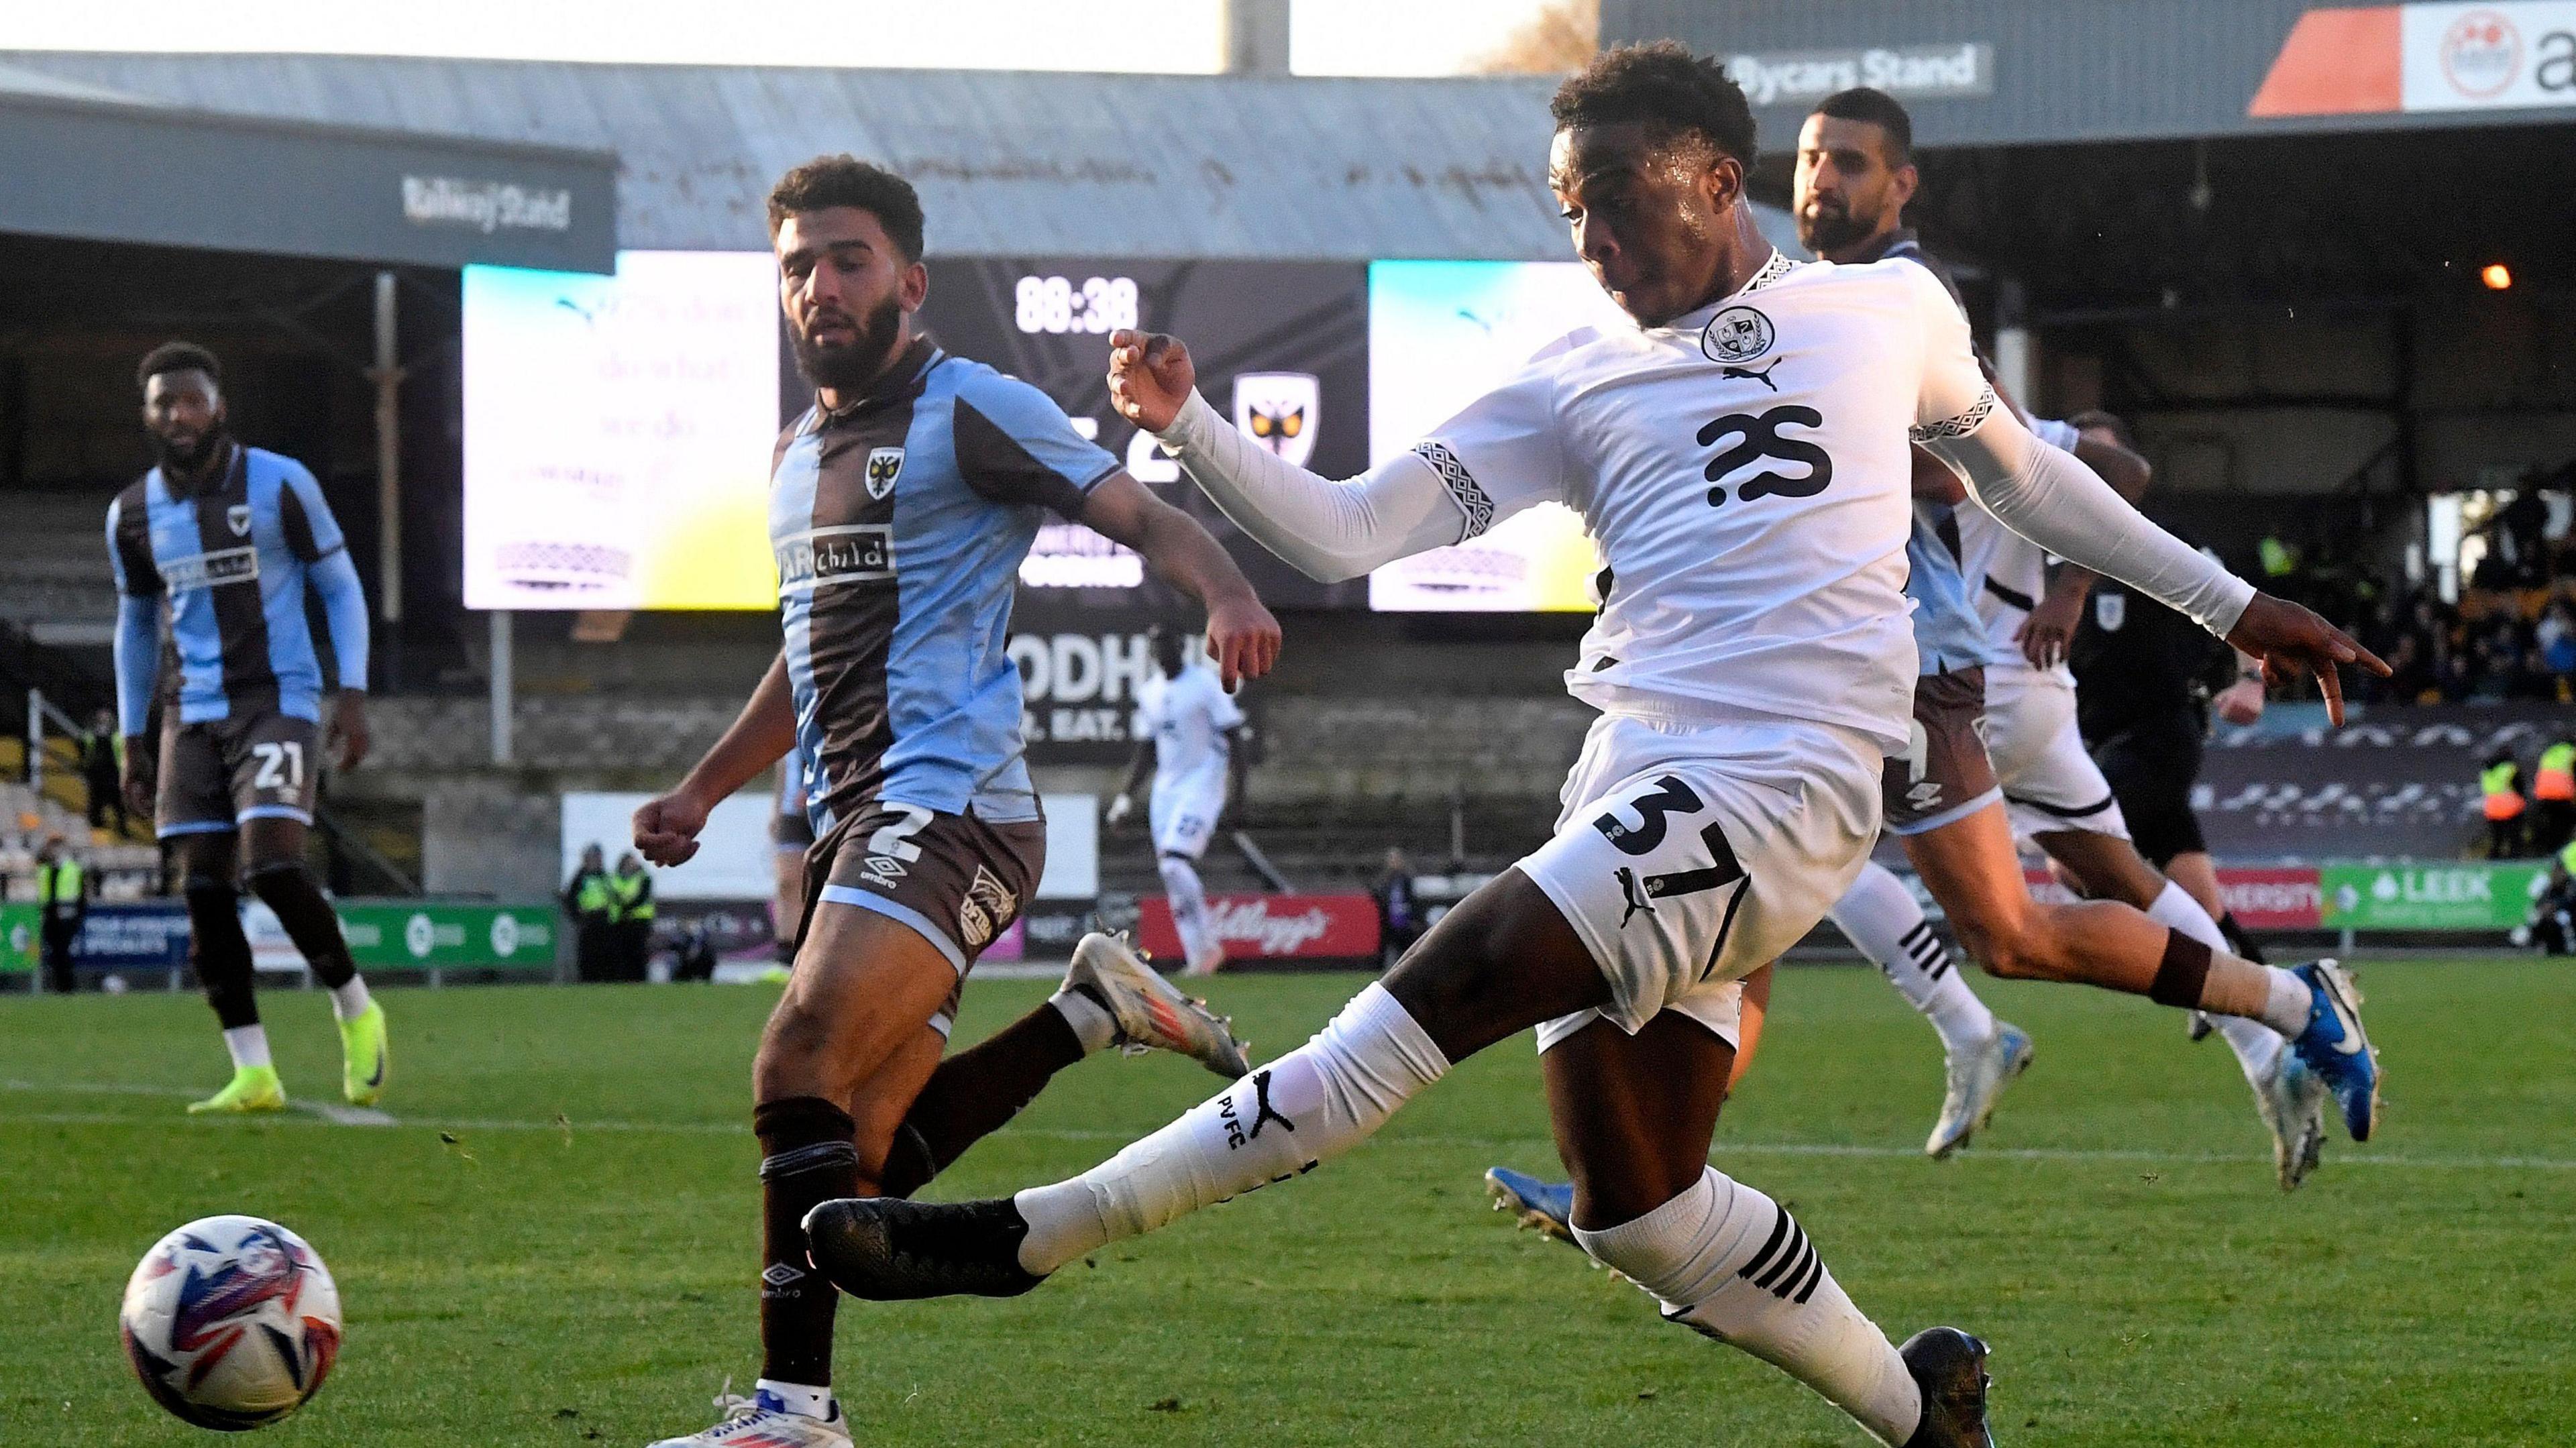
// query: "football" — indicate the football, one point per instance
point(231, 1322)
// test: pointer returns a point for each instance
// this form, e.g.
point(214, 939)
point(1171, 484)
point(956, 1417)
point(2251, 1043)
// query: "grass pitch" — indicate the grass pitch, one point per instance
point(555, 1244)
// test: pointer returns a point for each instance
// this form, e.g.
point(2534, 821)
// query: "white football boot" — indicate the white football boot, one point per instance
point(1152, 1014)
point(763, 1421)
point(2292, 1102)
point(1977, 1079)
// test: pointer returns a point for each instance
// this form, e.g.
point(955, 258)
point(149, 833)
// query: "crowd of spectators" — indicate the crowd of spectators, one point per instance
point(2510, 637)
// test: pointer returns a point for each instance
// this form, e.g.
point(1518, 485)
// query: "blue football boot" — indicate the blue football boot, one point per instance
point(2334, 1047)
point(1541, 1206)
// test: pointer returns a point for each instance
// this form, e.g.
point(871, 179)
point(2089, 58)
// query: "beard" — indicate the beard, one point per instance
point(178, 460)
point(1831, 229)
point(845, 366)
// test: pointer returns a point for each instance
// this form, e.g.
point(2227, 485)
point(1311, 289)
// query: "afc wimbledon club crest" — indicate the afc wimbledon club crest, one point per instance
point(1278, 409)
point(1737, 334)
point(885, 464)
point(238, 517)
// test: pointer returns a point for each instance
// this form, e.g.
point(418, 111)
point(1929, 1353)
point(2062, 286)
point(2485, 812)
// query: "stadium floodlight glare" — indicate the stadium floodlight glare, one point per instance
point(2497, 276)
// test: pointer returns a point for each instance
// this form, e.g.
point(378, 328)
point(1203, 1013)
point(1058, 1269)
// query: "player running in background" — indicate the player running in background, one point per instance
point(1740, 455)
point(1186, 732)
point(222, 543)
point(901, 505)
point(1997, 755)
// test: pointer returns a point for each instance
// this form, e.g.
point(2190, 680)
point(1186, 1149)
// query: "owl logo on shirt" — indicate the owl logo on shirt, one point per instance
point(885, 464)
point(1279, 411)
point(1737, 335)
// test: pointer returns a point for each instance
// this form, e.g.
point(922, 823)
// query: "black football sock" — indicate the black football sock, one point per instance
point(974, 1092)
point(220, 952)
point(289, 888)
point(808, 1156)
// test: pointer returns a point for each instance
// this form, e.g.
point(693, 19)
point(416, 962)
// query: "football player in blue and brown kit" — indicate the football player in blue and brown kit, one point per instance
point(901, 505)
point(223, 543)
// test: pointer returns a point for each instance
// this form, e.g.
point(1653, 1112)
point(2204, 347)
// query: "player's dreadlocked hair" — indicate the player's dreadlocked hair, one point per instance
point(1663, 87)
point(828, 181)
point(177, 357)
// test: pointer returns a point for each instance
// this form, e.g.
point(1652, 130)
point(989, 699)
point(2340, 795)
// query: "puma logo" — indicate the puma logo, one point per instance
point(1636, 896)
point(1261, 1108)
point(1749, 374)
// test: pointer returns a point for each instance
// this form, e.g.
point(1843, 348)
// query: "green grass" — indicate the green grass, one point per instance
point(574, 1265)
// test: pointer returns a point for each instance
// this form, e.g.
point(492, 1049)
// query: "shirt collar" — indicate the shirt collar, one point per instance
point(1768, 274)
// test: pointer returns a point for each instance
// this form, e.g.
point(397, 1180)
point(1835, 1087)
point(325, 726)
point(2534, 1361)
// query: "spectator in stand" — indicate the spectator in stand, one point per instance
point(62, 900)
point(591, 900)
point(1399, 915)
point(2553, 796)
point(696, 955)
point(2500, 791)
point(102, 762)
point(632, 889)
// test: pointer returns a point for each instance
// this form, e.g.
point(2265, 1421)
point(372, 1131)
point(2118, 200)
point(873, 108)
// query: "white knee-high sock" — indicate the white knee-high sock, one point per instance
point(2256, 1045)
point(1189, 905)
point(1882, 918)
point(1727, 1261)
point(1309, 1105)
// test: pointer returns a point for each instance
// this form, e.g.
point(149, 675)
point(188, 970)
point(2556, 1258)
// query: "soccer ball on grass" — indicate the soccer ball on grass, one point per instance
point(231, 1322)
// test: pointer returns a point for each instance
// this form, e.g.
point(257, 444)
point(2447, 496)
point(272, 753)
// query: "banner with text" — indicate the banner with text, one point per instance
point(2465, 896)
point(1272, 927)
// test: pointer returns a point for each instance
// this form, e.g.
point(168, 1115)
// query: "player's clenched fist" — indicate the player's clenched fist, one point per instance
point(1242, 637)
point(1150, 376)
point(666, 829)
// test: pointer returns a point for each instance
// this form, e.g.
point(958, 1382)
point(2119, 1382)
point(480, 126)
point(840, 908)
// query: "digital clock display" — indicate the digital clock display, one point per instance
point(1060, 304)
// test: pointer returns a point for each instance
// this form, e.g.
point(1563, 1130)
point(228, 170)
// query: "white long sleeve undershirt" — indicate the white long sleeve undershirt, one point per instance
point(1329, 531)
point(2055, 501)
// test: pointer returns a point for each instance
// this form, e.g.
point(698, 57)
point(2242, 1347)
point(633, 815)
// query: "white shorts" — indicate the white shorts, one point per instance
point(1184, 812)
point(2050, 783)
point(1689, 855)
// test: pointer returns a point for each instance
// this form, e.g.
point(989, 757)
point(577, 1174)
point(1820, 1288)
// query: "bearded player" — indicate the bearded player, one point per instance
point(1740, 453)
point(2000, 756)
point(223, 542)
point(901, 505)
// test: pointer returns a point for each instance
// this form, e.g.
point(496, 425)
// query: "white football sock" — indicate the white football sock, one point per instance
point(2290, 1004)
point(1881, 917)
point(1727, 1261)
point(249, 1045)
point(1309, 1105)
point(1092, 1024)
point(1189, 904)
point(803, 1401)
point(349, 1001)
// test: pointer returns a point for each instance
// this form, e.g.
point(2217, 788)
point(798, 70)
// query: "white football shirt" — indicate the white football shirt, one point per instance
point(1188, 717)
point(2008, 574)
point(1744, 473)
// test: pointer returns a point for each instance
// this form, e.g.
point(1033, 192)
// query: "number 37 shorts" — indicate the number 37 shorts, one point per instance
point(1689, 855)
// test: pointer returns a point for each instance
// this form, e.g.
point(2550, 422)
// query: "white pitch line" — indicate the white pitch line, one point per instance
point(345, 1115)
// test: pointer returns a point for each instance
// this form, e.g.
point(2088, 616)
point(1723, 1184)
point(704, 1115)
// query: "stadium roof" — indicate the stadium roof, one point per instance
point(92, 161)
point(1008, 163)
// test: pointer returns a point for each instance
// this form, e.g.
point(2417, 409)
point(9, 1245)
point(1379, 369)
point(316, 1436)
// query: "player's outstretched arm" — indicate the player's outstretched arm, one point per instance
point(1329, 531)
point(2061, 505)
point(666, 829)
point(1241, 635)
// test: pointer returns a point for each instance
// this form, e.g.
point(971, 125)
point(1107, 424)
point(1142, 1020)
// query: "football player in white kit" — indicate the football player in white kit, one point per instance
point(1187, 728)
point(1740, 455)
point(2005, 760)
